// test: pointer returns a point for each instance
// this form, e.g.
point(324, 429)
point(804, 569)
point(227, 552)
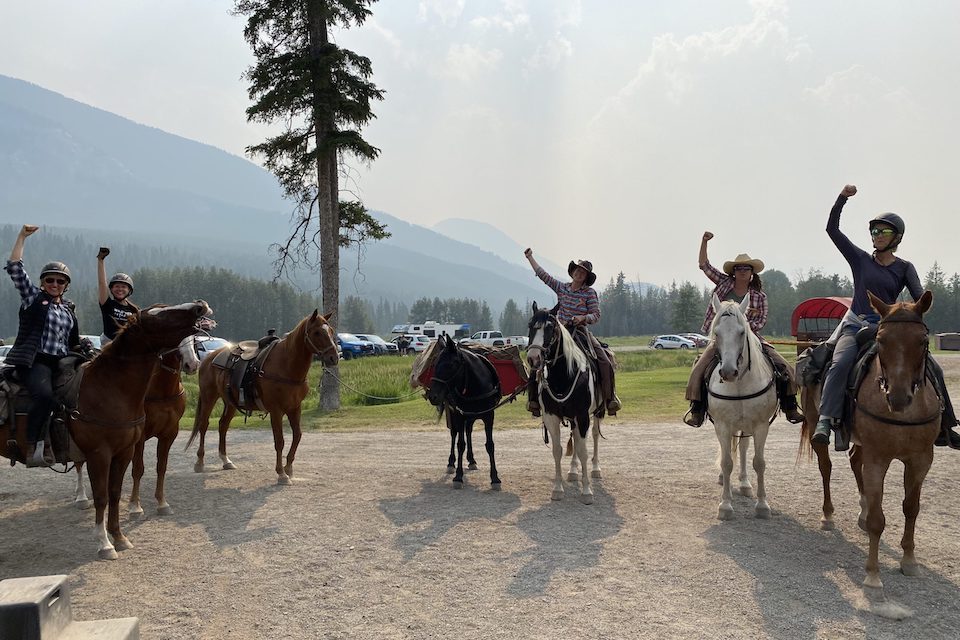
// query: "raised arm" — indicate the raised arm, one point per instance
point(548, 280)
point(102, 289)
point(528, 254)
point(849, 250)
point(707, 237)
point(16, 254)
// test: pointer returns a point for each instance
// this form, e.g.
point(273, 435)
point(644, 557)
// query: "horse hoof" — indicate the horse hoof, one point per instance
point(472, 466)
point(826, 525)
point(198, 467)
point(229, 466)
point(573, 477)
point(165, 510)
point(494, 486)
point(725, 514)
point(284, 480)
point(458, 484)
point(450, 470)
point(910, 569)
point(123, 544)
point(763, 513)
point(586, 498)
point(83, 504)
point(746, 492)
point(108, 554)
point(556, 495)
point(595, 473)
point(135, 513)
point(873, 581)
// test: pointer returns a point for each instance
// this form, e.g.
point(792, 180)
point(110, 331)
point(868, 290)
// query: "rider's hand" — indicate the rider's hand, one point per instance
point(707, 236)
point(104, 252)
point(28, 230)
point(849, 191)
point(528, 253)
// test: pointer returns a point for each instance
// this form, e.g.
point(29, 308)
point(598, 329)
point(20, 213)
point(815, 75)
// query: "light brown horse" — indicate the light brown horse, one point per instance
point(897, 417)
point(164, 405)
point(281, 388)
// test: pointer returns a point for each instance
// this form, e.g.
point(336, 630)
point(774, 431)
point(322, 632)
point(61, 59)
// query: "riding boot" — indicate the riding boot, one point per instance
point(821, 434)
point(36, 456)
point(788, 403)
point(696, 414)
point(533, 405)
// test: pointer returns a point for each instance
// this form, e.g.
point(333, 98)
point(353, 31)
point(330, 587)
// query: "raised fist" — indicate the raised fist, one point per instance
point(28, 230)
point(528, 253)
point(104, 252)
point(849, 191)
point(707, 236)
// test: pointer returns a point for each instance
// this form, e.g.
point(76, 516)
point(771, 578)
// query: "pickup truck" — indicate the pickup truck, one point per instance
point(495, 339)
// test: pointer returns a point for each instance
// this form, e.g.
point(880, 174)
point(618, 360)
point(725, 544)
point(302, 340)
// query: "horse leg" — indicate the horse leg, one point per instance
point(874, 471)
point(580, 446)
point(207, 398)
point(118, 469)
point(826, 469)
point(98, 468)
point(458, 428)
point(595, 471)
point(228, 412)
point(761, 509)
point(725, 510)
point(573, 475)
point(745, 488)
point(553, 428)
point(276, 425)
point(294, 419)
point(80, 500)
point(856, 464)
point(134, 508)
point(451, 467)
point(164, 442)
point(468, 429)
point(914, 471)
point(489, 446)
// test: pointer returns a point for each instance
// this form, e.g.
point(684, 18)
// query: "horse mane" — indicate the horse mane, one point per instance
point(574, 355)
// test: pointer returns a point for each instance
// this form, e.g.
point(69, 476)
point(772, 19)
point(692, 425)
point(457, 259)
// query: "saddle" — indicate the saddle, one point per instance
point(244, 364)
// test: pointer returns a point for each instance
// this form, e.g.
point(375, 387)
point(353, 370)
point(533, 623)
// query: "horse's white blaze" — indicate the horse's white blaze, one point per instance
point(751, 373)
point(188, 355)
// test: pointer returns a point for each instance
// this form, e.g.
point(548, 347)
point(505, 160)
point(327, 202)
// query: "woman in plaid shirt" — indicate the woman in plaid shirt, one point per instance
point(740, 277)
point(48, 331)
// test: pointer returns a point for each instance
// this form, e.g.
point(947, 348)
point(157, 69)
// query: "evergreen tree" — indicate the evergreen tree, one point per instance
point(354, 316)
point(513, 321)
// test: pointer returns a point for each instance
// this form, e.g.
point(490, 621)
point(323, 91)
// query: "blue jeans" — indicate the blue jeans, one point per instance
point(38, 380)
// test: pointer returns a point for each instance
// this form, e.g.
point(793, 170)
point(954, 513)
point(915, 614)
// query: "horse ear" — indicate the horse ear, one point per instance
point(534, 307)
point(555, 309)
point(744, 304)
point(715, 303)
point(879, 305)
point(924, 303)
point(314, 315)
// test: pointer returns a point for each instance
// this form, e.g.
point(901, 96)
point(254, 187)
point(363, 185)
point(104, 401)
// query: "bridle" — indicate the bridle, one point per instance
point(317, 351)
point(744, 345)
point(545, 362)
point(450, 385)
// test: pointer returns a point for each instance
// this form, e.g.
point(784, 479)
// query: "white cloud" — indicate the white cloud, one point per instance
point(513, 17)
point(856, 88)
point(464, 62)
point(550, 54)
point(404, 54)
point(448, 11)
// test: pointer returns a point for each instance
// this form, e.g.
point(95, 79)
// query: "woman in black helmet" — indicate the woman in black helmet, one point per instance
point(115, 304)
point(48, 331)
point(885, 276)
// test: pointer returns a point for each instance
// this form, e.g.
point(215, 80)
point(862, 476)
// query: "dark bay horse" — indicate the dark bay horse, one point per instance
point(164, 405)
point(281, 388)
point(897, 416)
point(465, 387)
point(568, 391)
point(108, 420)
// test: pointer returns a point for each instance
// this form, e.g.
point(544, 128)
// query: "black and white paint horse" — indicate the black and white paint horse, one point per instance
point(569, 390)
point(465, 387)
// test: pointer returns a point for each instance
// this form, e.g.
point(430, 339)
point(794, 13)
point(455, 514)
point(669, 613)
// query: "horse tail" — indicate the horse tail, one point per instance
point(807, 400)
point(196, 422)
point(569, 445)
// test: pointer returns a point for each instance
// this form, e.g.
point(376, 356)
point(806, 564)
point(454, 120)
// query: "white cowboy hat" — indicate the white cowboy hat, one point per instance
point(756, 265)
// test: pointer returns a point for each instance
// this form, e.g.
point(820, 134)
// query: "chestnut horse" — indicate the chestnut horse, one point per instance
point(108, 420)
point(280, 388)
point(897, 417)
point(164, 405)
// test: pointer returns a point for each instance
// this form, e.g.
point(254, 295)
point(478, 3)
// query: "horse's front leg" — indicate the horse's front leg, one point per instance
point(452, 459)
point(580, 446)
point(134, 508)
point(80, 500)
point(573, 474)
point(761, 508)
point(826, 470)
point(459, 430)
point(725, 510)
point(468, 429)
point(98, 468)
point(595, 471)
point(294, 418)
point(228, 412)
point(744, 487)
point(164, 442)
point(489, 446)
point(118, 469)
point(276, 425)
point(874, 472)
point(914, 472)
point(553, 428)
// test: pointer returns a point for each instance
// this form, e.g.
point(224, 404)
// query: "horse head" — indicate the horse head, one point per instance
point(319, 337)
point(159, 328)
point(730, 332)
point(903, 342)
point(448, 372)
point(542, 331)
point(189, 360)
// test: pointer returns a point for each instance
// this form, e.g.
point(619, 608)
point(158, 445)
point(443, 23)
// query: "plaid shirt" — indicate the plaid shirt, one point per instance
point(56, 330)
point(583, 302)
point(758, 299)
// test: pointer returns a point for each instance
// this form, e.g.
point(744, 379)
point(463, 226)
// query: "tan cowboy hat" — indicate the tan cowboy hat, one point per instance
point(587, 266)
point(756, 265)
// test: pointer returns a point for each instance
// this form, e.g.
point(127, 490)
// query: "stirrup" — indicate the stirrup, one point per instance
point(695, 418)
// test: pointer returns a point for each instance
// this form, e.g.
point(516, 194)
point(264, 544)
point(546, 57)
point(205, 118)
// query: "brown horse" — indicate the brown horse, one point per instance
point(280, 388)
point(164, 405)
point(897, 417)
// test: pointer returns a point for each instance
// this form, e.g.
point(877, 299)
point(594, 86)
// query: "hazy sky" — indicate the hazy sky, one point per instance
point(612, 130)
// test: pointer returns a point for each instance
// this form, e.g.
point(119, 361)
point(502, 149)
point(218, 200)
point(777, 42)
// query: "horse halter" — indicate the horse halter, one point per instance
point(744, 345)
point(546, 348)
point(313, 347)
point(882, 378)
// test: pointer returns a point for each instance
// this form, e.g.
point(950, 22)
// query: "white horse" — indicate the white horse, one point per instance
point(567, 391)
point(742, 401)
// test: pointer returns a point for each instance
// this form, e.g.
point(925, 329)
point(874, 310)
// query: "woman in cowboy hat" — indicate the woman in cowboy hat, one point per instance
point(740, 277)
point(884, 275)
point(115, 304)
point(578, 306)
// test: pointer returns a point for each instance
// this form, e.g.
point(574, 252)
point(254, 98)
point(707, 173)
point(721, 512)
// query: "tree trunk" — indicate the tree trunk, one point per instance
point(328, 194)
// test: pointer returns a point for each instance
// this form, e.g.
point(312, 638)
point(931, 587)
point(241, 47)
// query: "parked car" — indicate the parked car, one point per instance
point(496, 339)
point(208, 344)
point(380, 346)
point(521, 341)
point(698, 339)
point(412, 344)
point(4, 350)
point(672, 342)
point(353, 347)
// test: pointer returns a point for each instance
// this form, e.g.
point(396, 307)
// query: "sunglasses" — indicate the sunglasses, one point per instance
point(743, 267)
point(59, 281)
point(881, 232)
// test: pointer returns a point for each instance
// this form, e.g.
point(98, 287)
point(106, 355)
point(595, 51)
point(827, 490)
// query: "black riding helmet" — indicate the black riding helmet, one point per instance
point(55, 267)
point(894, 221)
point(121, 278)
